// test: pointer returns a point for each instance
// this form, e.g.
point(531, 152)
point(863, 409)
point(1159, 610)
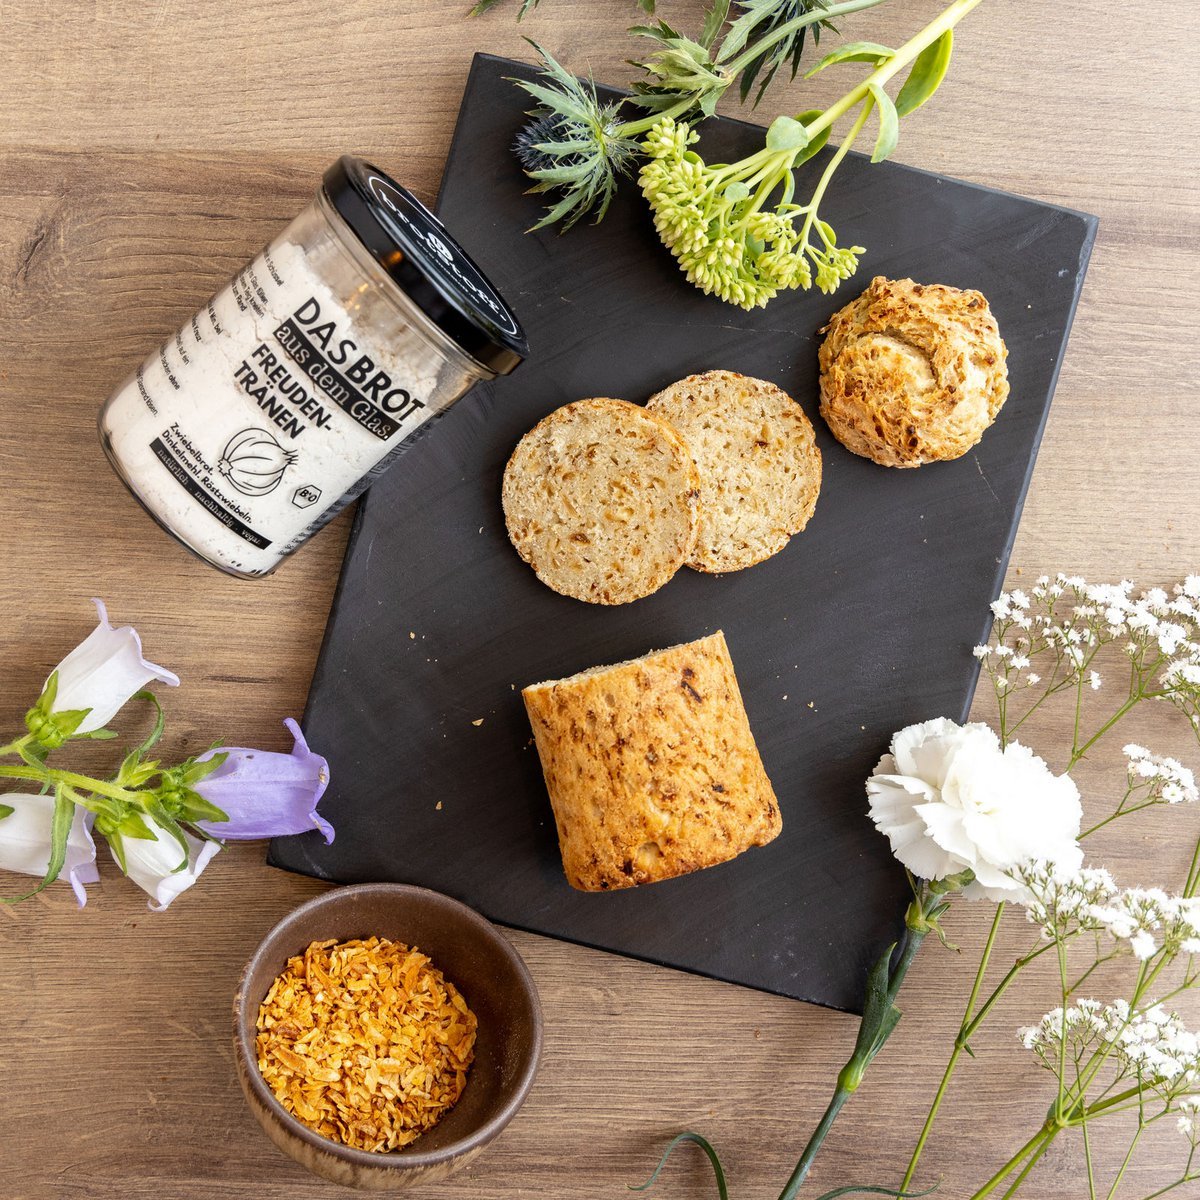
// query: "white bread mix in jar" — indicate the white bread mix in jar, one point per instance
point(308, 374)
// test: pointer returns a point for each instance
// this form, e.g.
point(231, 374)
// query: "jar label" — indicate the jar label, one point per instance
point(273, 408)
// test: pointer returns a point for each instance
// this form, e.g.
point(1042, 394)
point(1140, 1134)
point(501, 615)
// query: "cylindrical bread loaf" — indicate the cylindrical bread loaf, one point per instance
point(651, 767)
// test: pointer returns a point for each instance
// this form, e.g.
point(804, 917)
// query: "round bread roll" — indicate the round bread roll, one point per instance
point(600, 500)
point(760, 469)
point(912, 373)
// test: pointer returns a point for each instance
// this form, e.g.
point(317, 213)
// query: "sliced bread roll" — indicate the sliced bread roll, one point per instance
point(760, 468)
point(651, 767)
point(600, 499)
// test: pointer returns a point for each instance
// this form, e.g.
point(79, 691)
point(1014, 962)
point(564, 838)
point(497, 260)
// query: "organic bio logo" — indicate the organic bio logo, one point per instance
point(254, 462)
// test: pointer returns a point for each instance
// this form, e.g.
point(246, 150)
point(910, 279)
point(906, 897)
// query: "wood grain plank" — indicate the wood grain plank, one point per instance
point(145, 151)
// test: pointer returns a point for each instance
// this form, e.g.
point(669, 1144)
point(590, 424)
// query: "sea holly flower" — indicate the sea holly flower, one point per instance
point(90, 686)
point(26, 841)
point(949, 798)
point(164, 864)
point(266, 794)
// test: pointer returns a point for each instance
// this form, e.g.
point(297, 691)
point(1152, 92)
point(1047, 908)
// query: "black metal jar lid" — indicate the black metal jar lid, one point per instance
point(435, 272)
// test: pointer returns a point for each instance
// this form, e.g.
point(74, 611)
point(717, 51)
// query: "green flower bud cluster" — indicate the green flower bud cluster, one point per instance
point(714, 219)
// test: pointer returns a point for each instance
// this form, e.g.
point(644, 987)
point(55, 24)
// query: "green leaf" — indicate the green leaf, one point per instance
point(853, 52)
point(926, 75)
point(192, 771)
point(60, 830)
point(6, 810)
point(706, 1146)
point(713, 20)
point(737, 191)
point(155, 808)
point(45, 703)
point(193, 807)
point(889, 124)
point(815, 145)
point(132, 825)
point(877, 1191)
point(160, 719)
point(786, 133)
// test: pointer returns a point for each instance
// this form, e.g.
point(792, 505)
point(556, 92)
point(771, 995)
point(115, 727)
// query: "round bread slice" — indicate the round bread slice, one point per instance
point(600, 499)
point(760, 468)
point(912, 373)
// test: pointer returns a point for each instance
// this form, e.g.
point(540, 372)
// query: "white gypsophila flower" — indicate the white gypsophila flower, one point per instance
point(152, 864)
point(1148, 919)
point(949, 798)
point(25, 843)
point(1189, 1117)
point(1151, 1045)
point(1063, 902)
point(1165, 778)
point(103, 672)
point(1094, 680)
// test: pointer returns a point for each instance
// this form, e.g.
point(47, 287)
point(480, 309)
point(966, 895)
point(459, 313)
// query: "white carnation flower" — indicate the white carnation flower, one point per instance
point(950, 799)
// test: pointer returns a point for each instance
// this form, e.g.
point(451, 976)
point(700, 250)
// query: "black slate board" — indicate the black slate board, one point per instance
point(862, 625)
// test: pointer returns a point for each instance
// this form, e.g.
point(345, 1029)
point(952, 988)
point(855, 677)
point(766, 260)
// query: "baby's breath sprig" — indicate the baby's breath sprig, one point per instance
point(733, 228)
point(1052, 639)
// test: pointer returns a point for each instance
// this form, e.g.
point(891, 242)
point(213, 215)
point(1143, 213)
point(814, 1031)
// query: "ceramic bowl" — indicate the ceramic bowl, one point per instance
point(476, 957)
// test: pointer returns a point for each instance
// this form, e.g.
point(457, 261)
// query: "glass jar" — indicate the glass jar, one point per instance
point(308, 374)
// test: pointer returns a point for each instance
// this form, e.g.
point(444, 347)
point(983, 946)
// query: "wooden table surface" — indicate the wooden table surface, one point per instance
point(146, 151)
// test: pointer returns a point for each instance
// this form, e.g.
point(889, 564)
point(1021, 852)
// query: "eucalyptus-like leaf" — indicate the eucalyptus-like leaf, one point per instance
point(736, 192)
point(760, 20)
point(889, 124)
point(925, 77)
point(6, 810)
point(714, 19)
point(681, 71)
point(871, 52)
point(786, 133)
point(704, 1144)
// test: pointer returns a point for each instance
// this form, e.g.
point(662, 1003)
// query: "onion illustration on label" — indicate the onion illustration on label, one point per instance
point(254, 462)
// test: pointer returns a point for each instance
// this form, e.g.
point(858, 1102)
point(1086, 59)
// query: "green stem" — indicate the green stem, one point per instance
point(1033, 1146)
point(903, 56)
point(797, 1177)
point(850, 1077)
point(1087, 1158)
point(1193, 877)
point(1033, 1161)
point(1001, 988)
point(960, 1043)
point(82, 782)
point(831, 168)
point(633, 128)
point(1078, 753)
point(1112, 1191)
point(17, 746)
point(1171, 1187)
